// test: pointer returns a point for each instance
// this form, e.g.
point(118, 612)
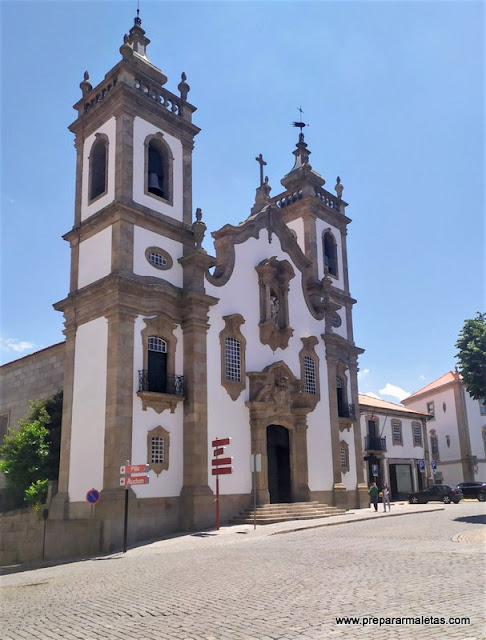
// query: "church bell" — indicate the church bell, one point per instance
point(155, 184)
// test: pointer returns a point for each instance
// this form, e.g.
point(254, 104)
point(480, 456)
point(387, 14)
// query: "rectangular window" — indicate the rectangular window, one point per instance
point(232, 359)
point(431, 409)
point(397, 433)
point(344, 458)
point(482, 406)
point(157, 450)
point(434, 446)
point(310, 375)
point(417, 435)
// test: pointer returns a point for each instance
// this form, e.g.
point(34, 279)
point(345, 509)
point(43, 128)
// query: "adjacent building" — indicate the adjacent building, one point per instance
point(456, 429)
point(395, 445)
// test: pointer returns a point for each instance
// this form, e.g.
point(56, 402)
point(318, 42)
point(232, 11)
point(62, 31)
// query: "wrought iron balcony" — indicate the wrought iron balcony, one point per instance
point(174, 385)
point(346, 410)
point(375, 443)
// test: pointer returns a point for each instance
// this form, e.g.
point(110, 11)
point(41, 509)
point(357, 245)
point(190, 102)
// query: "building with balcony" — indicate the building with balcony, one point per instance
point(456, 429)
point(171, 345)
point(395, 446)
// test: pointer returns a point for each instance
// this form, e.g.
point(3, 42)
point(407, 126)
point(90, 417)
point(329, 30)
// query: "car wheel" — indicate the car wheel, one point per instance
point(414, 500)
point(446, 500)
point(481, 497)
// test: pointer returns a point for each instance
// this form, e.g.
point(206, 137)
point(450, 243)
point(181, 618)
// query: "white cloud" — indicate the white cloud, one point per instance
point(372, 395)
point(422, 377)
point(12, 344)
point(394, 391)
point(363, 373)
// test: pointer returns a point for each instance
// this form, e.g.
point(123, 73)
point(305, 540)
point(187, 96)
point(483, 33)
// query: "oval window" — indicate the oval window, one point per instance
point(336, 320)
point(158, 258)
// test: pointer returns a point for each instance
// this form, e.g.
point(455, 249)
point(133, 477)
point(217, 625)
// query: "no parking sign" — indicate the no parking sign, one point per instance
point(93, 496)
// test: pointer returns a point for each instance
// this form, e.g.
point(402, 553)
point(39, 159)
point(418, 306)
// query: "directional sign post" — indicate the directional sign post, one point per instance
point(220, 468)
point(131, 481)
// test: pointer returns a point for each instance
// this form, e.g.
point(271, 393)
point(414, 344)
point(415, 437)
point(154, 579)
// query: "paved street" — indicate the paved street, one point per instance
point(242, 585)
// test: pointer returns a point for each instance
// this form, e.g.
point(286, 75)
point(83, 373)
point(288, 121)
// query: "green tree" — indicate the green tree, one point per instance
point(30, 455)
point(472, 355)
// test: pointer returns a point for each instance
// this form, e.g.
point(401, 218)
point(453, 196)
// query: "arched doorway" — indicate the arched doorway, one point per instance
point(278, 456)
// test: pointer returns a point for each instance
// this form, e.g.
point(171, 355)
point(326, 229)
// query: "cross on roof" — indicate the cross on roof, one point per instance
point(262, 163)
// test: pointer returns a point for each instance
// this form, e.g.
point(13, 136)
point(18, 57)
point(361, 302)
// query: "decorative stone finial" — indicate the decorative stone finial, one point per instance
point(183, 87)
point(86, 85)
point(339, 188)
point(135, 41)
point(137, 20)
point(199, 229)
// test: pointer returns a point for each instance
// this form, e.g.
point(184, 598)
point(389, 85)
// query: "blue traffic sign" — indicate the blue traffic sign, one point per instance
point(433, 464)
point(421, 465)
point(93, 496)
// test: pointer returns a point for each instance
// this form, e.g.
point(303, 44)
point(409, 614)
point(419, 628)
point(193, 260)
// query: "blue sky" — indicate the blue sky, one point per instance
point(393, 93)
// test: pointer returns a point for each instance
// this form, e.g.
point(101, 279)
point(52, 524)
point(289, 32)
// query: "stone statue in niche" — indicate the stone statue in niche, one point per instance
point(274, 308)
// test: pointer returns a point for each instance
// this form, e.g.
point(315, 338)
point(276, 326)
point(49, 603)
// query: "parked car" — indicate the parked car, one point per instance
point(473, 490)
point(438, 493)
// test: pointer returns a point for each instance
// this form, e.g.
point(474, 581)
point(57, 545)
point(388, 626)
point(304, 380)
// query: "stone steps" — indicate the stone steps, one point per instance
point(273, 513)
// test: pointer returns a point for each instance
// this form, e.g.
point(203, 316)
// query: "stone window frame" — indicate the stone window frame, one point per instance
point(397, 423)
point(434, 445)
point(344, 449)
point(169, 261)
point(309, 351)
point(232, 329)
point(99, 137)
point(417, 429)
point(329, 232)
point(484, 438)
point(163, 328)
point(273, 280)
point(158, 432)
point(430, 408)
point(482, 406)
point(168, 161)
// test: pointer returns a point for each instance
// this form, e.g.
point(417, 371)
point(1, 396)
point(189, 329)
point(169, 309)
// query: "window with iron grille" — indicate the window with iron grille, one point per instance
point(397, 432)
point(344, 458)
point(157, 259)
point(232, 359)
point(157, 344)
point(434, 445)
point(157, 450)
point(417, 435)
point(310, 375)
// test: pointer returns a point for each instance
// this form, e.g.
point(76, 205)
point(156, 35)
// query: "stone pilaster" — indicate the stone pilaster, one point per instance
point(361, 486)
point(124, 157)
point(298, 448)
point(187, 147)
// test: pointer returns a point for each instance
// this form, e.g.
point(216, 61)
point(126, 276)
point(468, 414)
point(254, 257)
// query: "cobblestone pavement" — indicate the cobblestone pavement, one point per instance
point(243, 585)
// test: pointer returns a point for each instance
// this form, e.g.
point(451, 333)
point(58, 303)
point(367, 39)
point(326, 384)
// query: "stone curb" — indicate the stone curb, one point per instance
point(372, 517)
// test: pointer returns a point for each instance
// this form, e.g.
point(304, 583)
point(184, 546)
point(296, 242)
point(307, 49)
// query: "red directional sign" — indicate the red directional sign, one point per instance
point(221, 442)
point(134, 480)
point(133, 468)
point(218, 452)
point(221, 471)
point(221, 461)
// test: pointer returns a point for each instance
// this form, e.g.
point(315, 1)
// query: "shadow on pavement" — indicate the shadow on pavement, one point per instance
point(481, 519)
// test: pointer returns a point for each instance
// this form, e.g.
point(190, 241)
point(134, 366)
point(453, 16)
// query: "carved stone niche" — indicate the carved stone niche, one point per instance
point(273, 280)
point(278, 393)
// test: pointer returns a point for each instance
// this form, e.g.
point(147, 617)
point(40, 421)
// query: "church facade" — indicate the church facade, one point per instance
point(168, 347)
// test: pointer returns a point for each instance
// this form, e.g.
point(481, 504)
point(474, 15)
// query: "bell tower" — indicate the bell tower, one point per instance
point(132, 229)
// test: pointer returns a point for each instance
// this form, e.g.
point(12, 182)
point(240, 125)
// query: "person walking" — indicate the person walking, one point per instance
point(374, 491)
point(386, 497)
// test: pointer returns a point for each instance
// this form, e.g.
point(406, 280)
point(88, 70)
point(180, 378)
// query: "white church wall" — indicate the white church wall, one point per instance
point(297, 225)
point(142, 129)
point(143, 239)
point(169, 482)
point(88, 409)
point(350, 478)
point(322, 226)
point(87, 210)
point(95, 257)
point(241, 295)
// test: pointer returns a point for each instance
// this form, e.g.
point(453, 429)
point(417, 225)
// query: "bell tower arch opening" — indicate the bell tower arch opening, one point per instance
point(278, 457)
